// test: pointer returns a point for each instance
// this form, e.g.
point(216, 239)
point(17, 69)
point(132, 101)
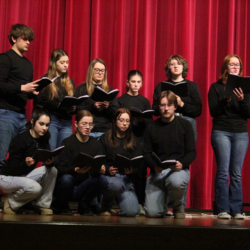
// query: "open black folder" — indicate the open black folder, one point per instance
point(95, 162)
point(44, 82)
point(73, 101)
point(44, 154)
point(138, 113)
point(179, 88)
point(100, 95)
point(163, 164)
point(235, 81)
point(122, 162)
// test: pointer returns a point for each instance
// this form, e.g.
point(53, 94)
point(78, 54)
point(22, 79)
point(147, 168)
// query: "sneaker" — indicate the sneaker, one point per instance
point(142, 210)
point(7, 208)
point(44, 211)
point(106, 213)
point(179, 213)
point(239, 216)
point(224, 215)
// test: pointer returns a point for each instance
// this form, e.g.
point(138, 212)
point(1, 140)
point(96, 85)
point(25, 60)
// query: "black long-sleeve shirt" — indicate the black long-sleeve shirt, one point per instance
point(102, 116)
point(72, 148)
point(192, 102)
point(15, 70)
point(228, 116)
point(53, 105)
point(112, 152)
point(140, 102)
point(22, 146)
point(173, 140)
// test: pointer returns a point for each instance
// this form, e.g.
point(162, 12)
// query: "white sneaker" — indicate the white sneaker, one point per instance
point(142, 210)
point(224, 215)
point(239, 216)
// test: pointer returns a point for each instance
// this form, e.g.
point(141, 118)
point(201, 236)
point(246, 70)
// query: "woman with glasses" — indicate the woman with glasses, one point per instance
point(51, 97)
point(229, 139)
point(103, 111)
point(120, 140)
point(76, 183)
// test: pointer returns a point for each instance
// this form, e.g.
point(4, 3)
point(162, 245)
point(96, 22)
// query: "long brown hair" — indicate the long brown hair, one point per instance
point(65, 80)
point(224, 68)
point(89, 78)
point(110, 136)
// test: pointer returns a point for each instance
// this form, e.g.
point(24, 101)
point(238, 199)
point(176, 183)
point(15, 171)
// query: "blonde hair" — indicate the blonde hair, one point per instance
point(89, 78)
point(65, 80)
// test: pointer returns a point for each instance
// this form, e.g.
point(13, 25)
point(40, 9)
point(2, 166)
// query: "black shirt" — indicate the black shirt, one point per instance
point(15, 70)
point(22, 146)
point(173, 140)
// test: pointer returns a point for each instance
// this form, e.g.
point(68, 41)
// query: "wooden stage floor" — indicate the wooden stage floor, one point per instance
point(199, 230)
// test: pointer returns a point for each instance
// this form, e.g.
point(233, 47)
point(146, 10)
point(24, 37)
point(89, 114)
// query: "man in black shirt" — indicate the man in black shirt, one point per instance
point(171, 138)
point(16, 86)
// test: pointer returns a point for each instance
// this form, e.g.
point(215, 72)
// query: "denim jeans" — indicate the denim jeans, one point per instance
point(121, 187)
point(230, 150)
point(68, 188)
point(59, 130)
point(38, 184)
point(193, 123)
point(96, 135)
point(11, 124)
point(165, 186)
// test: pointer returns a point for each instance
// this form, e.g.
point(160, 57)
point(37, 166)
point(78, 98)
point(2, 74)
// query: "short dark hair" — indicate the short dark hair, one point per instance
point(180, 59)
point(20, 30)
point(172, 99)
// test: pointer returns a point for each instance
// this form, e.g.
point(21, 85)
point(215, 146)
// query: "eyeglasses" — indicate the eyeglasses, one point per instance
point(123, 121)
point(85, 125)
point(232, 65)
point(175, 64)
point(163, 106)
point(99, 71)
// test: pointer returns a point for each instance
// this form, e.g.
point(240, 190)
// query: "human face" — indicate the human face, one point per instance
point(176, 68)
point(62, 65)
point(166, 110)
point(134, 84)
point(233, 66)
point(84, 126)
point(123, 122)
point(21, 45)
point(41, 126)
point(98, 73)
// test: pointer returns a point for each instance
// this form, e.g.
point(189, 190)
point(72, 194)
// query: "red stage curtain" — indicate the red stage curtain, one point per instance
point(142, 34)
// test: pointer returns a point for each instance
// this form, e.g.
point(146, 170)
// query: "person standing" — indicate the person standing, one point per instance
point(229, 139)
point(16, 86)
point(103, 112)
point(51, 97)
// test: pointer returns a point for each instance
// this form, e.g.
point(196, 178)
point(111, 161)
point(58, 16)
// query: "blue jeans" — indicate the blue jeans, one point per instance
point(68, 188)
point(96, 135)
point(193, 123)
point(230, 150)
point(164, 186)
point(11, 124)
point(38, 184)
point(121, 187)
point(59, 130)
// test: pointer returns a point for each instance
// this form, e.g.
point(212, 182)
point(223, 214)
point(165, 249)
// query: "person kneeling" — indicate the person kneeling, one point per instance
point(171, 138)
point(20, 180)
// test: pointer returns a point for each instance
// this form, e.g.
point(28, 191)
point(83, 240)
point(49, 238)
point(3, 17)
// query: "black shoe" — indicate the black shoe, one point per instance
point(62, 211)
point(84, 208)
